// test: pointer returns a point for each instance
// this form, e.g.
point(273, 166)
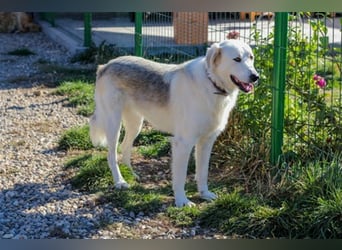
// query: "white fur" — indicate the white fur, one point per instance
point(194, 115)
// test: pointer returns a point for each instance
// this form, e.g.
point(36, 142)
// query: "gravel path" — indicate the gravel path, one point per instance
point(35, 200)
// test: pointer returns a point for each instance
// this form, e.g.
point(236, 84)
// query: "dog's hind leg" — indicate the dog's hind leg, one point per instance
point(202, 155)
point(112, 133)
point(105, 124)
point(132, 122)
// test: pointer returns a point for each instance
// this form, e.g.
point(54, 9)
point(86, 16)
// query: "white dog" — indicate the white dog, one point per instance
point(192, 101)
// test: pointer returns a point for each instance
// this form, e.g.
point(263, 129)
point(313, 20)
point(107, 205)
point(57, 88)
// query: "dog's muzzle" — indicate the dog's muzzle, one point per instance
point(254, 79)
point(246, 86)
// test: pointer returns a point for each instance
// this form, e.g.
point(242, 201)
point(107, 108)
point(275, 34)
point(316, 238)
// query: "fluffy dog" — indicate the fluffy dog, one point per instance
point(17, 22)
point(191, 101)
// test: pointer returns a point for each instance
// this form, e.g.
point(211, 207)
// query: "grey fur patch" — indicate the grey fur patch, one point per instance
point(144, 79)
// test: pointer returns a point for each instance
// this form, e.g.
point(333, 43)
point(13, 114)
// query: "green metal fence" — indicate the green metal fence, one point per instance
point(313, 110)
point(300, 57)
point(297, 109)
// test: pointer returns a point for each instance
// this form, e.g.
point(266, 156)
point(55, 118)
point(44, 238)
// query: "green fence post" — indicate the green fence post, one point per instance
point(279, 74)
point(50, 17)
point(138, 34)
point(87, 29)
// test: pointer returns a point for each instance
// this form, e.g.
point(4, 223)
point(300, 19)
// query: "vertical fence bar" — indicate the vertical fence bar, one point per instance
point(50, 17)
point(278, 95)
point(138, 34)
point(87, 29)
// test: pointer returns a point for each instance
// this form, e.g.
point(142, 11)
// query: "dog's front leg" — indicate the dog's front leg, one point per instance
point(181, 149)
point(202, 156)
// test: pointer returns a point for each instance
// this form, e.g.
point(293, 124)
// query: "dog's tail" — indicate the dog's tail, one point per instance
point(98, 119)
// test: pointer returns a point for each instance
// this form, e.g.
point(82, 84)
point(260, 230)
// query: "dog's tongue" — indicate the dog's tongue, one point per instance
point(244, 86)
point(248, 87)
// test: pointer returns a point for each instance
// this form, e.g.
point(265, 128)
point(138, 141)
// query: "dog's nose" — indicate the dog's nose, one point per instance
point(254, 77)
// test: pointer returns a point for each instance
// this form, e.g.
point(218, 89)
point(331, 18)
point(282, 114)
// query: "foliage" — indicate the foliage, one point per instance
point(98, 54)
point(310, 119)
point(305, 203)
point(312, 108)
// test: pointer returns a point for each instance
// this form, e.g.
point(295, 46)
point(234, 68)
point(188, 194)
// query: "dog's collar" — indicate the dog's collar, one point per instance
point(220, 91)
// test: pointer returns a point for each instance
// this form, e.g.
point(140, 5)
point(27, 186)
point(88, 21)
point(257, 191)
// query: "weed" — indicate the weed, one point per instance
point(98, 55)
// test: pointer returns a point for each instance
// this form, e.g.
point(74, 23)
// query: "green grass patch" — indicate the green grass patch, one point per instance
point(304, 199)
point(80, 94)
point(21, 52)
point(75, 139)
point(159, 149)
point(149, 137)
point(305, 204)
point(137, 199)
point(94, 174)
point(295, 200)
point(185, 216)
point(153, 144)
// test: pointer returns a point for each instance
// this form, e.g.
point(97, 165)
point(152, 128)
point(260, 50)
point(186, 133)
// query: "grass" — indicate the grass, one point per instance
point(298, 199)
point(93, 175)
point(93, 172)
point(75, 139)
point(80, 94)
point(153, 144)
point(303, 200)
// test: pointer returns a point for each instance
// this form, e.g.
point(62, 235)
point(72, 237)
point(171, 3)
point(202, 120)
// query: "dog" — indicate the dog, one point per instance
point(191, 101)
point(11, 22)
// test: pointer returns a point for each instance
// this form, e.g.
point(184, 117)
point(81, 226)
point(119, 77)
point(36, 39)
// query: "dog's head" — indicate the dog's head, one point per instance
point(230, 65)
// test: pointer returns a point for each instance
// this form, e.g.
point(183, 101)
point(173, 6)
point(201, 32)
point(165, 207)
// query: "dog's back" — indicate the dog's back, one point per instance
point(139, 78)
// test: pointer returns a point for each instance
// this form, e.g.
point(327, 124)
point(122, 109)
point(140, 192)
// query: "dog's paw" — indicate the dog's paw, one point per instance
point(184, 202)
point(121, 185)
point(207, 195)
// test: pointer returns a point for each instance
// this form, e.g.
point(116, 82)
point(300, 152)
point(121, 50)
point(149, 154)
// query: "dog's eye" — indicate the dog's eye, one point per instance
point(237, 59)
point(251, 57)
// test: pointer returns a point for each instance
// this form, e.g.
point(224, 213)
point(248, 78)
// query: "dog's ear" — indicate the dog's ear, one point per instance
point(213, 55)
point(99, 70)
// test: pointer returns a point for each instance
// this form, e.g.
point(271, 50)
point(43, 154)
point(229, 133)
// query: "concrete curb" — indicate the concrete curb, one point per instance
point(62, 38)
